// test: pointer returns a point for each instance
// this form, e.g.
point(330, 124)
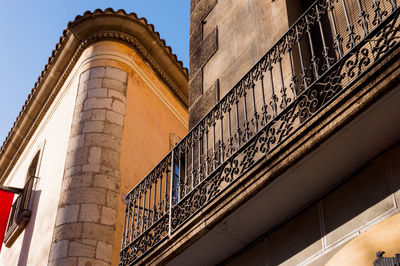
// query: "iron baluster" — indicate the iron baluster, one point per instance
point(155, 212)
point(214, 151)
point(394, 4)
point(199, 138)
point(338, 38)
point(303, 69)
point(265, 117)
point(324, 47)
point(134, 216)
point(179, 185)
point(238, 131)
point(160, 204)
point(171, 188)
point(221, 141)
point(255, 114)
point(186, 181)
point(283, 88)
point(314, 60)
point(136, 231)
point(207, 157)
point(350, 28)
point(230, 138)
point(192, 166)
point(378, 14)
point(166, 198)
point(363, 18)
point(274, 98)
point(125, 233)
point(149, 205)
point(247, 134)
point(141, 209)
point(144, 218)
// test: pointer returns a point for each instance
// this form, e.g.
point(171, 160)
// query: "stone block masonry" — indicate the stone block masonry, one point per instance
point(85, 224)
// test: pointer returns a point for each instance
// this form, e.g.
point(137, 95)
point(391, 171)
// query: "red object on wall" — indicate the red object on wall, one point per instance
point(6, 200)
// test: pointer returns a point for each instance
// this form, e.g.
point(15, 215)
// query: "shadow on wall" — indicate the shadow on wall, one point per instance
point(27, 240)
point(365, 196)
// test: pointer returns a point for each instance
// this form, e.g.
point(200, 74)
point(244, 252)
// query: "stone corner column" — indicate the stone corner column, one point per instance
point(85, 223)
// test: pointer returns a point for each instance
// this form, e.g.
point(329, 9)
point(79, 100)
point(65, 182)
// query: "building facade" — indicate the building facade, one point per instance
point(293, 153)
point(111, 89)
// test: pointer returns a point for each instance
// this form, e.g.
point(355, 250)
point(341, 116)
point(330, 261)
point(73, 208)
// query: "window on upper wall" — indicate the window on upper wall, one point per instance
point(22, 207)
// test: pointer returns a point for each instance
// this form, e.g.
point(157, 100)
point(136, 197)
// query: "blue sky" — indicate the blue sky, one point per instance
point(29, 30)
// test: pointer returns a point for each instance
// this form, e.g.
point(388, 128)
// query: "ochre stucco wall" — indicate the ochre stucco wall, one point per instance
point(152, 114)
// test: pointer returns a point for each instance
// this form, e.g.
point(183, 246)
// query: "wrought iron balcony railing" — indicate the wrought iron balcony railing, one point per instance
point(329, 47)
point(21, 212)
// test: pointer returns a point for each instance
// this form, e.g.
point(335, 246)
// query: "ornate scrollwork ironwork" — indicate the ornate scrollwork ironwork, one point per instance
point(258, 114)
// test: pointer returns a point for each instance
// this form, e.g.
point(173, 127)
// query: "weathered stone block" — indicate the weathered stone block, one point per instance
point(93, 83)
point(67, 231)
point(108, 216)
point(112, 199)
point(98, 115)
point(97, 93)
point(90, 213)
point(204, 52)
point(118, 107)
point(114, 85)
point(97, 72)
point(80, 249)
point(79, 180)
point(76, 129)
point(204, 104)
point(84, 76)
point(67, 214)
point(76, 142)
point(93, 126)
point(108, 171)
point(106, 181)
point(117, 95)
point(84, 195)
point(196, 87)
point(201, 10)
point(91, 262)
point(72, 171)
point(92, 167)
point(68, 261)
point(58, 250)
point(98, 231)
point(94, 155)
point(115, 118)
point(102, 140)
point(113, 129)
point(77, 157)
point(97, 103)
point(115, 73)
point(196, 37)
point(103, 251)
point(110, 158)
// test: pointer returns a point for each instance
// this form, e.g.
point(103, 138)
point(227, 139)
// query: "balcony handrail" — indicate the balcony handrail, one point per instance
point(327, 49)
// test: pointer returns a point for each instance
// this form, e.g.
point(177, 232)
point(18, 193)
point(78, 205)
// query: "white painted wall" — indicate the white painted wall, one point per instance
point(51, 137)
